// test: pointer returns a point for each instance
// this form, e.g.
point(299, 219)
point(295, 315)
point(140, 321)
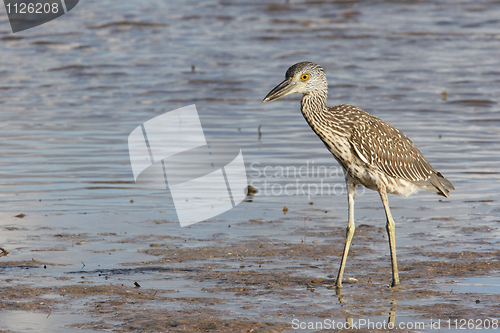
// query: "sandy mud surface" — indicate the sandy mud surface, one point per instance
point(258, 285)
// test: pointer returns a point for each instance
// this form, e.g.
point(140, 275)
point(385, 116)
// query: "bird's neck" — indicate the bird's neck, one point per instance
point(313, 104)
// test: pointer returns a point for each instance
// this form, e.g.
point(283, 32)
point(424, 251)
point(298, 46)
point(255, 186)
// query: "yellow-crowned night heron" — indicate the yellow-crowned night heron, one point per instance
point(371, 152)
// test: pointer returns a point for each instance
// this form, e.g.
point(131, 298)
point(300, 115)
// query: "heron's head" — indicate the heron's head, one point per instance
point(304, 77)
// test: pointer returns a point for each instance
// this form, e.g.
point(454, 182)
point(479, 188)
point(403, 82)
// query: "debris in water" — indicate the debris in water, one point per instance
point(250, 190)
point(3, 252)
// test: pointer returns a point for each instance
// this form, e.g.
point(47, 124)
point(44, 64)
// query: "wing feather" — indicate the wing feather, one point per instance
point(384, 147)
point(387, 148)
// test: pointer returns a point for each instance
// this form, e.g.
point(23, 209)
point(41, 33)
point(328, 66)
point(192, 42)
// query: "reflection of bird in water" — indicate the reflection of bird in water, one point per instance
point(371, 152)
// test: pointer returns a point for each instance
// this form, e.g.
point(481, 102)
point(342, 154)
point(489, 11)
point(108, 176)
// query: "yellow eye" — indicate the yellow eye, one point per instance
point(304, 77)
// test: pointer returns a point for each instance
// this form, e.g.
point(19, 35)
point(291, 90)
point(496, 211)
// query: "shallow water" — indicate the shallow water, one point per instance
point(72, 91)
point(24, 321)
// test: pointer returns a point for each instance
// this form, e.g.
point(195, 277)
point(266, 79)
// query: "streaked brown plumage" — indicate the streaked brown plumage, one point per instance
point(372, 152)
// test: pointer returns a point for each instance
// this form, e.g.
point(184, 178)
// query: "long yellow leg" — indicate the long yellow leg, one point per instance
point(391, 232)
point(350, 232)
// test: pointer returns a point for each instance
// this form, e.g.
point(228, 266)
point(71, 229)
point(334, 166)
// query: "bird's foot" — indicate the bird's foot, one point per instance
point(395, 283)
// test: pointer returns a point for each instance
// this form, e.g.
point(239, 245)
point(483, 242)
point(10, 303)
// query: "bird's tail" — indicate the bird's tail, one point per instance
point(441, 185)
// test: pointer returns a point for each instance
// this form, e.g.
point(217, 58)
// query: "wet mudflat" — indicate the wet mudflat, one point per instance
point(152, 281)
point(88, 250)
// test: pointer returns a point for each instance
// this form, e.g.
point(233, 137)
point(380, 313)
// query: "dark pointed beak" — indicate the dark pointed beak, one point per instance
point(284, 88)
